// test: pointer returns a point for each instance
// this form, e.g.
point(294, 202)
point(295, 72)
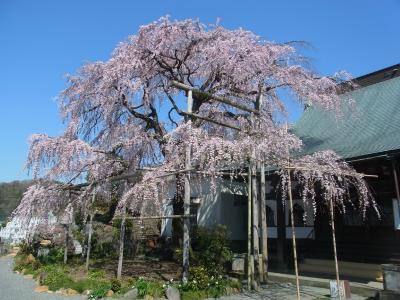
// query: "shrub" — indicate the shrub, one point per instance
point(115, 285)
point(55, 255)
point(99, 291)
point(199, 279)
point(147, 287)
point(211, 249)
point(57, 277)
point(25, 248)
point(96, 274)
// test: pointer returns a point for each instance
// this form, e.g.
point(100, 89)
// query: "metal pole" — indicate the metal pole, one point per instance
point(186, 204)
point(249, 204)
point(264, 225)
point(293, 234)
point(334, 243)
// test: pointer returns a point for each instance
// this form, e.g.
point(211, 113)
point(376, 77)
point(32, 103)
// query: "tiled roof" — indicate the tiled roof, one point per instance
point(371, 127)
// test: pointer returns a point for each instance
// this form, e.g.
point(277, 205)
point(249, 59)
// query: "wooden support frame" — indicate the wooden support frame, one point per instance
point(186, 204)
point(332, 221)
point(296, 269)
point(211, 120)
point(264, 225)
point(214, 97)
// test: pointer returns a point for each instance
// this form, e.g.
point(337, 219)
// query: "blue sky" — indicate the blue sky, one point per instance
point(40, 41)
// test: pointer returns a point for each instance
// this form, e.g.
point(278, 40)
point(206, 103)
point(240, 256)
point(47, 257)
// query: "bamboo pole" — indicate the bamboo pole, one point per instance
point(89, 246)
point(186, 204)
point(121, 244)
point(332, 217)
point(66, 230)
point(249, 204)
point(255, 225)
point(264, 225)
point(293, 235)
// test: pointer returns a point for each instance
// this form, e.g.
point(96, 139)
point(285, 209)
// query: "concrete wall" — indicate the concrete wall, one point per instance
point(227, 204)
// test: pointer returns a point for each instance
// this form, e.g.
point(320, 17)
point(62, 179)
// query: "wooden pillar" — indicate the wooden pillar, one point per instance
point(264, 228)
point(66, 230)
point(255, 225)
point(186, 204)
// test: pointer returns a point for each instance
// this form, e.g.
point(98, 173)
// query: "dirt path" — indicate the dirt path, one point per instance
point(16, 287)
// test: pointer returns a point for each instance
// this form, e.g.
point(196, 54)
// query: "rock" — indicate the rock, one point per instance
point(132, 294)
point(29, 276)
point(172, 293)
point(30, 259)
point(70, 291)
point(109, 293)
point(148, 297)
point(61, 291)
point(87, 292)
point(42, 288)
point(43, 276)
point(43, 252)
point(238, 264)
point(23, 271)
point(45, 243)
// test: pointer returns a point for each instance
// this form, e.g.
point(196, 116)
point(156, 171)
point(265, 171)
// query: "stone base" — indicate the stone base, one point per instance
point(388, 295)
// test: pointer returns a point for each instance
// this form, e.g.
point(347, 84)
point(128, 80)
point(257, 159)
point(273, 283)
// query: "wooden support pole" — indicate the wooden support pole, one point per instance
point(121, 243)
point(66, 230)
point(331, 208)
point(264, 225)
point(89, 245)
point(159, 217)
point(396, 181)
point(211, 120)
point(255, 226)
point(186, 204)
point(216, 98)
point(296, 270)
point(250, 261)
point(89, 242)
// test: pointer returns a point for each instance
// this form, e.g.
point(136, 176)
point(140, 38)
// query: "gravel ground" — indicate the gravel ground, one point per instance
point(285, 291)
point(16, 287)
